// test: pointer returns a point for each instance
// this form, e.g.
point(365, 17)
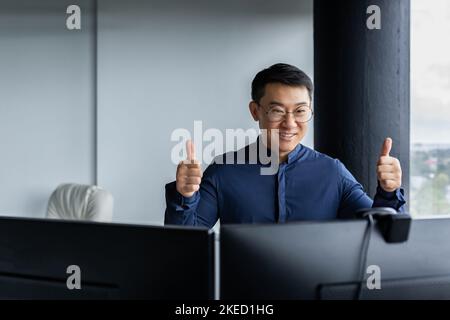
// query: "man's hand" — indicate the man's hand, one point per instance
point(389, 171)
point(189, 173)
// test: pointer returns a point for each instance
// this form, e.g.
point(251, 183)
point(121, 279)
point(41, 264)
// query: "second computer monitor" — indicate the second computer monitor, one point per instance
point(323, 260)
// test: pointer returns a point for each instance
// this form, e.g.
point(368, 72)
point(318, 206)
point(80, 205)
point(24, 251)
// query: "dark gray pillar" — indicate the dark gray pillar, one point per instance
point(362, 84)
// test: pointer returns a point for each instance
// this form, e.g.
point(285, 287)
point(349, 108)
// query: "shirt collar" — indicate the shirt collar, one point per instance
point(295, 154)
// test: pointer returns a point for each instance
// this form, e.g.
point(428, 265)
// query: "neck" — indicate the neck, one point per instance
point(283, 157)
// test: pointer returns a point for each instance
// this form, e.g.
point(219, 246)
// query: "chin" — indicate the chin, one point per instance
point(286, 147)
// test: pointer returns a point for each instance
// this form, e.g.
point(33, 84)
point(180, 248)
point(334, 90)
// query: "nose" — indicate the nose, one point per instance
point(289, 121)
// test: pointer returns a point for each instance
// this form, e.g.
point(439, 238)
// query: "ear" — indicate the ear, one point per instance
point(253, 106)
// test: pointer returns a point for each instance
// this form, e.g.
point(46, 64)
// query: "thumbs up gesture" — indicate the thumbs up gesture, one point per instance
point(389, 171)
point(189, 173)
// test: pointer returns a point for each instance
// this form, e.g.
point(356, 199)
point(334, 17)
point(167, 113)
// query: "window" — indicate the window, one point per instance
point(430, 108)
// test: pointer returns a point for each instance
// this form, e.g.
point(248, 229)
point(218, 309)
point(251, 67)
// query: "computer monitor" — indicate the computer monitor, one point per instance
point(116, 261)
point(322, 260)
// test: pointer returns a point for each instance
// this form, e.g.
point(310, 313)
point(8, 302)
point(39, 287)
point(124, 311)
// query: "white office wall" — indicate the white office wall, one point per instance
point(164, 64)
point(46, 103)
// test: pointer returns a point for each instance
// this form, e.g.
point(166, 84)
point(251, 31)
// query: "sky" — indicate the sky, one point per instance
point(430, 71)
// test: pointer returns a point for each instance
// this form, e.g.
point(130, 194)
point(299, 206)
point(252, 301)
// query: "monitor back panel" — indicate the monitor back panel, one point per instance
point(285, 261)
point(115, 261)
point(320, 260)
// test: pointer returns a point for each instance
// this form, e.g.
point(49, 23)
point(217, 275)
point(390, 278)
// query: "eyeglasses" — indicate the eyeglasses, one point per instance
point(301, 114)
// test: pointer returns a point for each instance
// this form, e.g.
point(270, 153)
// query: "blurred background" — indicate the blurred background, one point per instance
point(430, 108)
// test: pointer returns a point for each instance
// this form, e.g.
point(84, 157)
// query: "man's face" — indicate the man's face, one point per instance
point(288, 98)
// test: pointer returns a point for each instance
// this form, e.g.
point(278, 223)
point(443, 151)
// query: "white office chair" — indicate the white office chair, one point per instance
point(81, 202)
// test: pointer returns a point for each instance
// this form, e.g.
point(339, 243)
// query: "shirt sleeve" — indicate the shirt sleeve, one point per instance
point(395, 200)
point(354, 198)
point(199, 210)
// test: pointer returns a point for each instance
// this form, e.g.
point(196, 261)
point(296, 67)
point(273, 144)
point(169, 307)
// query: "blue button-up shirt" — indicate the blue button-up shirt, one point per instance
point(308, 186)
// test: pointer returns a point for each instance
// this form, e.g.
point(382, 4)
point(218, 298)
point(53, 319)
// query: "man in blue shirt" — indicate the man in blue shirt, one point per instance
point(308, 185)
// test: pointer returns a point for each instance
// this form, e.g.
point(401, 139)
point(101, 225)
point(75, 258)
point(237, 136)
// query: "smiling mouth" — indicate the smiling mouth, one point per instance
point(287, 136)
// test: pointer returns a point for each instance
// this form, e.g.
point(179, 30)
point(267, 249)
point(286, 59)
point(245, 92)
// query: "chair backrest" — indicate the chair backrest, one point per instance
point(80, 202)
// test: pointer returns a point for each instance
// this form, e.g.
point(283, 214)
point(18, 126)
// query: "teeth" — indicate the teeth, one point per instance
point(285, 135)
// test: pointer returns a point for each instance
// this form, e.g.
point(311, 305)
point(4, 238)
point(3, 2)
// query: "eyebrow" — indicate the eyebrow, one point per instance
point(280, 104)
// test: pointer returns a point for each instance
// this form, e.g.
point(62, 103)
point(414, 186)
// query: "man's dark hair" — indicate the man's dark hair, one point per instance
point(280, 73)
